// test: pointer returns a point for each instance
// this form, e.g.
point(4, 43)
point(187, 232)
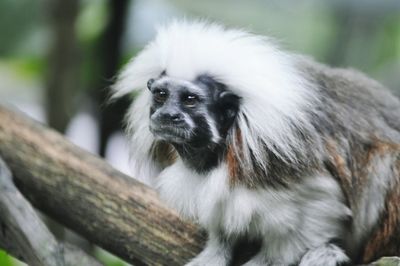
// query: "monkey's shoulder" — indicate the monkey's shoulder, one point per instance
point(347, 84)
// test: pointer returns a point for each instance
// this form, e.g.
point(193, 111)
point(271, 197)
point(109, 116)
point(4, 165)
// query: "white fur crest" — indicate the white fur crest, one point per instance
point(274, 94)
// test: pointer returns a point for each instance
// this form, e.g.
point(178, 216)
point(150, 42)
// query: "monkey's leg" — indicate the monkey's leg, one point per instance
point(262, 259)
point(217, 252)
point(327, 255)
point(289, 255)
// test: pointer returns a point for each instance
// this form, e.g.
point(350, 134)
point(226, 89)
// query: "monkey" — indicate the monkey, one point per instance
point(249, 140)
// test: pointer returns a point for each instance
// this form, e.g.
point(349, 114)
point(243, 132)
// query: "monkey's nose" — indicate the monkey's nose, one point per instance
point(174, 118)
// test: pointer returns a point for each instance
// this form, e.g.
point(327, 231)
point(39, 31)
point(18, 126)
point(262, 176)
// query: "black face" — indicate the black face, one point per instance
point(197, 113)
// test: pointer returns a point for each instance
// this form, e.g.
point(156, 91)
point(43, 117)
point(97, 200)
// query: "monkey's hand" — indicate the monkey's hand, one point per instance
point(216, 253)
point(327, 255)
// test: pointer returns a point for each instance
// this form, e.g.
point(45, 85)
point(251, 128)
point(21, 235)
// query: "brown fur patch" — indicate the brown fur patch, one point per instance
point(385, 240)
point(163, 154)
point(353, 172)
point(339, 168)
point(275, 173)
point(236, 174)
point(233, 166)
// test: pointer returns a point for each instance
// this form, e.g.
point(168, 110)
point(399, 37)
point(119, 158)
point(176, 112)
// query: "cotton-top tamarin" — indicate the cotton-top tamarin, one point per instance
point(252, 141)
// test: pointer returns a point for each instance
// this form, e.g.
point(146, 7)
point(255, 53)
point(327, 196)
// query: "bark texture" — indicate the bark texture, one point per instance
point(25, 236)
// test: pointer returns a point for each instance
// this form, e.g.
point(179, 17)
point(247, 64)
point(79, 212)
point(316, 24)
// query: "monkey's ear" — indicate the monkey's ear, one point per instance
point(225, 94)
point(228, 97)
point(227, 107)
point(229, 101)
point(149, 83)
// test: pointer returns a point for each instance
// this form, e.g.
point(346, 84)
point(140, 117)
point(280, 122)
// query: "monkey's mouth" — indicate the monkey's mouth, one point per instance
point(175, 134)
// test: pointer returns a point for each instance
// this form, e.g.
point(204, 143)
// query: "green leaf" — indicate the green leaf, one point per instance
point(388, 261)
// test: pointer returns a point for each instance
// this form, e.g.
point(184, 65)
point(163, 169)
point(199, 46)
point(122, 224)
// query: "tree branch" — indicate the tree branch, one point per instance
point(25, 236)
point(87, 195)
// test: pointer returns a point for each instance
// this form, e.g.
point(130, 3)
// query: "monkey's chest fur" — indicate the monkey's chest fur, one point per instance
point(292, 220)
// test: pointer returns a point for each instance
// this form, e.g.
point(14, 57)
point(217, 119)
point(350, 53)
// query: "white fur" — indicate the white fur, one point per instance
point(327, 255)
point(192, 194)
point(215, 253)
point(290, 221)
point(141, 139)
point(274, 95)
point(213, 128)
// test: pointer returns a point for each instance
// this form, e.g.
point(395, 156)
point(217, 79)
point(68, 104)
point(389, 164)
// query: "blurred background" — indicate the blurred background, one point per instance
point(58, 58)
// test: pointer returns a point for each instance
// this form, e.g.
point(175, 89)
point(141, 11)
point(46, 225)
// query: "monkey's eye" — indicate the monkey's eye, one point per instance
point(160, 96)
point(189, 100)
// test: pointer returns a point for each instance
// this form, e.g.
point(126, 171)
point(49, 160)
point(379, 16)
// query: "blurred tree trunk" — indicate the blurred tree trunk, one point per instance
point(62, 82)
point(108, 54)
point(356, 35)
point(63, 66)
